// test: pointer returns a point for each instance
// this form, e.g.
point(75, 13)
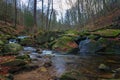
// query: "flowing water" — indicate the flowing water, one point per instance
point(88, 65)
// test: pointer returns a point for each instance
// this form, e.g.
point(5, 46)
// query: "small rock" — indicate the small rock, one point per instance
point(14, 63)
point(116, 70)
point(39, 50)
point(43, 69)
point(103, 67)
point(30, 67)
point(48, 64)
point(9, 77)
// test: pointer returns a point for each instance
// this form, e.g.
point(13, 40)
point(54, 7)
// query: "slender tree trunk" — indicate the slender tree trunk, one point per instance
point(6, 12)
point(42, 16)
point(50, 15)
point(48, 10)
point(15, 21)
point(35, 10)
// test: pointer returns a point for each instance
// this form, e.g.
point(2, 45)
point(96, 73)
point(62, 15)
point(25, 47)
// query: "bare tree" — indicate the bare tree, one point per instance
point(15, 20)
point(35, 11)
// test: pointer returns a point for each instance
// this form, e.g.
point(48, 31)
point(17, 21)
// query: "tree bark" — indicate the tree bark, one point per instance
point(35, 10)
point(15, 21)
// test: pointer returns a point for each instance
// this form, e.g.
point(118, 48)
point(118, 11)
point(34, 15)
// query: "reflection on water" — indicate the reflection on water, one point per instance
point(85, 64)
point(59, 64)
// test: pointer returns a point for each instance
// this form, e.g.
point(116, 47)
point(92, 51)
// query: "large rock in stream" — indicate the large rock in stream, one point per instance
point(12, 48)
point(90, 46)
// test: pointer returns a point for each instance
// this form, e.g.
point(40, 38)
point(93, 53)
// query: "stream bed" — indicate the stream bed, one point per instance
point(58, 64)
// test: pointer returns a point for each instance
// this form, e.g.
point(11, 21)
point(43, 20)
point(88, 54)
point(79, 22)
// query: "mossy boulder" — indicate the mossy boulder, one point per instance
point(12, 47)
point(107, 32)
point(113, 47)
point(14, 63)
point(27, 41)
point(1, 42)
point(90, 46)
point(6, 77)
point(65, 44)
point(73, 75)
point(25, 57)
point(93, 37)
point(71, 33)
point(104, 42)
point(47, 37)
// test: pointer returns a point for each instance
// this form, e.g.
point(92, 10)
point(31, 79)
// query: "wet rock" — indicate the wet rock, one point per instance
point(29, 49)
point(1, 42)
point(67, 78)
point(73, 75)
point(89, 46)
point(39, 50)
point(9, 77)
point(54, 78)
point(29, 67)
point(103, 67)
point(43, 69)
point(14, 63)
point(24, 68)
point(24, 57)
point(64, 44)
point(48, 64)
point(6, 77)
point(114, 47)
point(93, 37)
point(12, 47)
point(27, 42)
point(117, 70)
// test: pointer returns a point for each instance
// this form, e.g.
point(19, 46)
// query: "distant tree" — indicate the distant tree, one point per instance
point(15, 20)
point(35, 17)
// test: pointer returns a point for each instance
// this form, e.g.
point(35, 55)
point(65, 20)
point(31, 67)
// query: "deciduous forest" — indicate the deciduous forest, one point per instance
point(59, 39)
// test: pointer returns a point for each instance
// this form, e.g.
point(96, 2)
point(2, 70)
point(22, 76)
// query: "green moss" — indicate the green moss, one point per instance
point(47, 37)
point(108, 32)
point(72, 75)
point(113, 47)
point(24, 57)
point(92, 36)
point(27, 41)
point(12, 47)
point(14, 63)
point(72, 32)
point(103, 41)
point(62, 41)
point(1, 42)
point(84, 33)
point(1, 45)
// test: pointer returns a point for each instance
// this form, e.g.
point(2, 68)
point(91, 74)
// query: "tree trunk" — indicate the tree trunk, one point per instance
point(50, 15)
point(15, 21)
point(35, 10)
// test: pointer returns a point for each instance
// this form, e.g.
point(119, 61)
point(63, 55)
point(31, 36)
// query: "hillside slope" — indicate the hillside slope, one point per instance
point(7, 28)
point(111, 19)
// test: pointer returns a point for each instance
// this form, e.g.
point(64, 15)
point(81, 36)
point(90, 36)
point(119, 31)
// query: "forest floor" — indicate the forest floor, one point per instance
point(79, 68)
